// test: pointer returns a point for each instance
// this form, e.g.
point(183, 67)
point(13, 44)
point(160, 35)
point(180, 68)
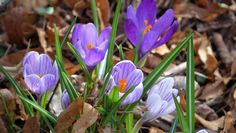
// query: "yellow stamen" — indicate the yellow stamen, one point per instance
point(146, 22)
point(147, 29)
point(122, 85)
point(90, 46)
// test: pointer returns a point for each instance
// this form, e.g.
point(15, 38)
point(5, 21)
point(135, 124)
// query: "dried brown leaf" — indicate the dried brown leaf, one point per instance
point(9, 100)
point(32, 125)
point(67, 117)
point(229, 123)
point(155, 130)
point(18, 24)
point(105, 10)
point(89, 116)
point(162, 50)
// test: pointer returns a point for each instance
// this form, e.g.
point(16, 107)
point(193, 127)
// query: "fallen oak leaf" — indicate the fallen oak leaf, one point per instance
point(89, 116)
point(68, 116)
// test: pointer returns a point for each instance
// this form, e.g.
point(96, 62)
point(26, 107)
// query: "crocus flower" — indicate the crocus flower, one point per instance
point(91, 47)
point(65, 100)
point(202, 131)
point(142, 22)
point(124, 76)
point(160, 101)
point(39, 73)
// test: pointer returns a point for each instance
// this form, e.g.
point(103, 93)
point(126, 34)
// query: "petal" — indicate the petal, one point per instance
point(104, 36)
point(30, 60)
point(48, 81)
point(110, 85)
point(45, 64)
point(146, 11)
point(133, 96)
point(154, 104)
point(65, 100)
point(134, 78)
point(86, 33)
point(27, 70)
point(147, 42)
point(163, 87)
point(55, 71)
point(164, 21)
point(94, 57)
point(131, 15)
point(34, 83)
point(166, 37)
point(122, 69)
point(79, 47)
point(131, 31)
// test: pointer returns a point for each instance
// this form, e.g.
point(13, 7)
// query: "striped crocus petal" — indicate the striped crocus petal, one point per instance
point(65, 100)
point(160, 101)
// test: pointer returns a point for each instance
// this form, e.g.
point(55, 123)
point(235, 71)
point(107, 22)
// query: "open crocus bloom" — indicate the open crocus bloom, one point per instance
point(154, 33)
point(91, 47)
point(160, 101)
point(124, 76)
point(39, 73)
point(65, 99)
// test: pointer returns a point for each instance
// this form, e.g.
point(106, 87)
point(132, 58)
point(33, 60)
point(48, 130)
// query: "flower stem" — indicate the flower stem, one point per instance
point(138, 125)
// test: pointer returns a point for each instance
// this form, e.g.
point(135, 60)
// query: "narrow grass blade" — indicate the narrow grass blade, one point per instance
point(69, 85)
point(174, 125)
point(58, 47)
point(181, 118)
point(112, 37)
point(18, 89)
point(121, 52)
point(40, 109)
point(190, 111)
point(80, 61)
point(68, 32)
point(95, 15)
point(115, 106)
point(156, 73)
point(136, 50)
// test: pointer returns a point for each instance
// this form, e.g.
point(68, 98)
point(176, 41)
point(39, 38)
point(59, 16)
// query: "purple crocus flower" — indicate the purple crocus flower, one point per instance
point(39, 73)
point(91, 47)
point(65, 99)
point(160, 101)
point(125, 75)
point(154, 33)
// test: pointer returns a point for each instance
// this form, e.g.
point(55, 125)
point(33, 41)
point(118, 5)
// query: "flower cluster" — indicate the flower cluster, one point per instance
point(39, 73)
point(141, 25)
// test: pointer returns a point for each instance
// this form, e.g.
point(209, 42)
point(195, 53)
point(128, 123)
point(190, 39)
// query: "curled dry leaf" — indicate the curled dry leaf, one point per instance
point(212, 125)
point(89, 116)
point(32, 125)
point(205, 111)
point(229, 123)
point(162, 50)
point(104, 8)
point(9, 100)
point(18, 24)
point(155, 130)
point(67, 117)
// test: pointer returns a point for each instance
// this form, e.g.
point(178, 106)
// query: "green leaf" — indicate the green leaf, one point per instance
point(116, 106)
point(121, 52)
point(18, 89)
point(129, 122)
point(70, 86)
point(136, 50)
point(174, 125)
point(68, 32)
point(58, 47)
point(181, 118)
point(80, 61)
point(95, 15)
point(190, 111)
point(40, 109)
point(114, 95)
point(113, 35)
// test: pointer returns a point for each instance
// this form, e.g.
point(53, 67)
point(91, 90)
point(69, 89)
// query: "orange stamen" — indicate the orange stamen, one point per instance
point(122, 85)
point(90, 46)
point(147, 29)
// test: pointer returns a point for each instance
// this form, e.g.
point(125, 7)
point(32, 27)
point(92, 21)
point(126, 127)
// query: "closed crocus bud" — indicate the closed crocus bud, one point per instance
point(124, 76)
point(91, 46)
point(65, 100)
point(39, 73)
point(160, 100)
point(143, 22)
